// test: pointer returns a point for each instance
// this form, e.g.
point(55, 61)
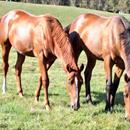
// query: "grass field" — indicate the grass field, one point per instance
point(24, 114)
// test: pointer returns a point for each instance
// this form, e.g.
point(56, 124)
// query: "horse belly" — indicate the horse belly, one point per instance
point(93, 44)
point(21, 40)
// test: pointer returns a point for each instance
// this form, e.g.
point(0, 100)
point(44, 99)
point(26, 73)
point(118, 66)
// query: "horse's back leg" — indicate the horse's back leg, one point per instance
point(18, 70)
point(6, 46)
point(87, 74)
point(117, 75)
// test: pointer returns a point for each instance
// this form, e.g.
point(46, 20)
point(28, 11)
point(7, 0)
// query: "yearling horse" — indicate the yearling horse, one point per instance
point(42, 37)
point(107, 39)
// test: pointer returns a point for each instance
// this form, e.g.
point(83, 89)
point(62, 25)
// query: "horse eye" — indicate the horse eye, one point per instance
point(125, 95)
point(70, 81)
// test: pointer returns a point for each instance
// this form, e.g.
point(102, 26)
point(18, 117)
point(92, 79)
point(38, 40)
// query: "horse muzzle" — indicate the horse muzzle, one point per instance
point(75, 106)
point(127, 117)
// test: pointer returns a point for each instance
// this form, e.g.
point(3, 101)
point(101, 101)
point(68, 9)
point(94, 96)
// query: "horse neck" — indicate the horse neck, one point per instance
point(63, 48)
point(77, 47)
point(126, 47)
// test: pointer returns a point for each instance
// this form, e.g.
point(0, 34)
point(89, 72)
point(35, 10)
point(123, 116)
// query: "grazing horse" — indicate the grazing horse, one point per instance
point(44, 38)
point(107, 39)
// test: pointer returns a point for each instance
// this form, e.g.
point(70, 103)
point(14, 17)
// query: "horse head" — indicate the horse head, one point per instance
point(127, 96)
point(74, 82)
point(126, 37)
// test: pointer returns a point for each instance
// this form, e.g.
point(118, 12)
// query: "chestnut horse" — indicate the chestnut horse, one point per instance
point(42, 37)
point(107, 39)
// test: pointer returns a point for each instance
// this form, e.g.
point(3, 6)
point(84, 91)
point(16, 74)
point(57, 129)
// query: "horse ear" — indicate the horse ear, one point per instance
point(69, 69)
point(81, 67)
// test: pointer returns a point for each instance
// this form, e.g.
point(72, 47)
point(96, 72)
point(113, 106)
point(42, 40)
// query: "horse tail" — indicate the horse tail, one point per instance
point(67, 28)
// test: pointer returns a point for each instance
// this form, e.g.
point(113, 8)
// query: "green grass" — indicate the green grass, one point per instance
point(24, 114)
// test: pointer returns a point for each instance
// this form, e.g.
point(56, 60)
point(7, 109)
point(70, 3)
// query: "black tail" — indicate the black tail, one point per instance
point(67, 28)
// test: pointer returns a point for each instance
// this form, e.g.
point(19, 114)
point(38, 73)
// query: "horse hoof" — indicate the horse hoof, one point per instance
point(108, 109)
point(21, 94)
point(88, 101)
point(36, 99)
point(47, 107)
point(3, 93)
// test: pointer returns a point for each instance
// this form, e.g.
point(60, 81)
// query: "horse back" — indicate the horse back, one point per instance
point(23, 29)
point(98, 34)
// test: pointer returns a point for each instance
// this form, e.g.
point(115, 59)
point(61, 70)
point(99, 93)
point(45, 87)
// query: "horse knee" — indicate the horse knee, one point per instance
point(87, 75)
point(5, 67)
point(17, 70)
point(109, 88)
point(45, 82)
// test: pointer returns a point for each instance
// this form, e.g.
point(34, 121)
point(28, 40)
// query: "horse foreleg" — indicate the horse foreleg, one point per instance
point(5, 55)
point(38, 89)
point(45, 79)
point(87, 75)
point(108, 64)
point(40, 81)
point(18, 70)
point(117, 75)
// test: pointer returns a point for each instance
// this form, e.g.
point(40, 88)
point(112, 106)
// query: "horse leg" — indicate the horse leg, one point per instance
point(108, 64)
point(18, 70)
point(5, 55)
point(87, 74)
point(40, 82)
point(117, 75)
point(38, 89)
point(44, 78)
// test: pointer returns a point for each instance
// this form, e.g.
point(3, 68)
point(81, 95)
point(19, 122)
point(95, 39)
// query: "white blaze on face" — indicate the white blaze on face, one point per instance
point(126, 114)
point(76, 84)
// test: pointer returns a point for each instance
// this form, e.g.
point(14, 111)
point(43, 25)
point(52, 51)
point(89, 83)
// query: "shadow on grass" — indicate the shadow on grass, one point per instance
point(27, 95)
point(99, 97)
point(3, 125)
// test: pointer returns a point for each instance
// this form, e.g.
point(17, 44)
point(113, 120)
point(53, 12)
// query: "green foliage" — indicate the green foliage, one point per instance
point(106, 5)
point(24, 114)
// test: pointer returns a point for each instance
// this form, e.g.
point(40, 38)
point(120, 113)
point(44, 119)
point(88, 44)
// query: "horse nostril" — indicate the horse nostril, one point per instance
point(75, 106)
point(127, 118)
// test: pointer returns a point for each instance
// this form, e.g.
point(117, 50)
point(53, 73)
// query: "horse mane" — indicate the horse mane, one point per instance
point(67, 29)
point(125, 22)
point(61, 38)
point(126, 34)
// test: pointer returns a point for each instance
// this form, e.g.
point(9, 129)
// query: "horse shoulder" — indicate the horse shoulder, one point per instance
point(42, 37)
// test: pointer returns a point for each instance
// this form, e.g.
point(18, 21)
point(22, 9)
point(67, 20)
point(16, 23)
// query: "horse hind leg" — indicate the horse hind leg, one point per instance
point(87, 74)
point(18, 70)
point(6, 46)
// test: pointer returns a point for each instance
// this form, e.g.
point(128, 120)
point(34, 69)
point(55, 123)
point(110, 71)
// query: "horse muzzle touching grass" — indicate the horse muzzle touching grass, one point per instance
point(127, 97)
point(74, 82)
point(42, 37)
point(106, 39)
